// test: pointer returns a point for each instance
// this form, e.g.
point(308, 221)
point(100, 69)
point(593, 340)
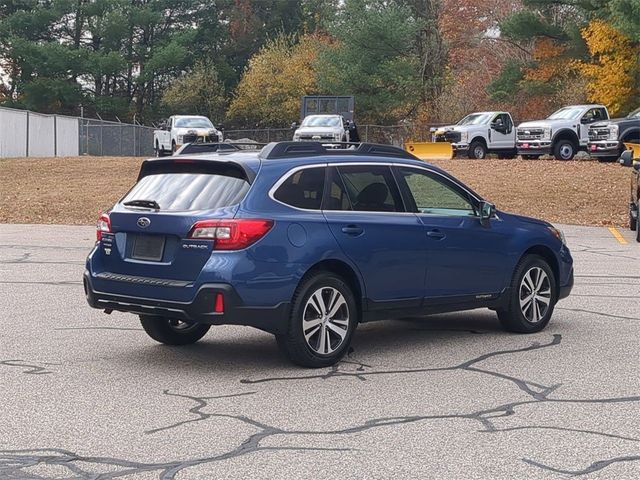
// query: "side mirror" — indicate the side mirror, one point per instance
point(636, 166)
point(220, 128)
point(586, 120)
point(294, 125)
point(487, 211)
point(626, 159)
point(498, 127)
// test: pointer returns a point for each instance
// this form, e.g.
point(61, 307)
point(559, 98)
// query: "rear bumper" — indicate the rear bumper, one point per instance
point(200, 309)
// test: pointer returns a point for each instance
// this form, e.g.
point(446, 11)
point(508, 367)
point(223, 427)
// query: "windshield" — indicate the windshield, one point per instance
point(567, 113)
point(188, 191)
point(634, 114)
point(476, 119)
point(193, 122)
point(321, 121)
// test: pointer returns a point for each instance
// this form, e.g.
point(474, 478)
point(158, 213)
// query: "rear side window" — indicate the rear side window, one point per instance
point(303, 189)
point(371, 188)
point(189, 191)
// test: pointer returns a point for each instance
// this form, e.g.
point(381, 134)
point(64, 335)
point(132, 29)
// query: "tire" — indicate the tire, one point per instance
point(158, 151)
point(477, 150)
point(507, 155)
point(173, 332)
point(637, 231)
point(633, 222)
point(564, 150)
point(173, 148)
point(532, 316)
point(315, 293)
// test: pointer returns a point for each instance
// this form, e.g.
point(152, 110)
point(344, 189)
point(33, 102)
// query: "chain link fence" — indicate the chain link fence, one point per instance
point(386, 134)
point(104, 138)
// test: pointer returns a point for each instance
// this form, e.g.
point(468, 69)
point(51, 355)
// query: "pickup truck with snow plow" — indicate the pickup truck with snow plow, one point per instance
point(562, 134)
point(479, 134)
point(607, 139)
point(179, 130)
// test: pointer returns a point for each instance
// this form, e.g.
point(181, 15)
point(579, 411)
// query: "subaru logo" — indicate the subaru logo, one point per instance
point(144, 222)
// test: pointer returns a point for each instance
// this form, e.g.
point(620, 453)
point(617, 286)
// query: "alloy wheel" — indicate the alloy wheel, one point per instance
point(325, 320)
point(535, 294)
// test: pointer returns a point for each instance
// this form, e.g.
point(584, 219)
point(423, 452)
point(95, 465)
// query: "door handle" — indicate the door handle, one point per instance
point(353, 230)
point(436, 234)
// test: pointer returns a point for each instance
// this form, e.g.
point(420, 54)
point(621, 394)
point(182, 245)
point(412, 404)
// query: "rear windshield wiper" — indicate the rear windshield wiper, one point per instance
point(143, 203)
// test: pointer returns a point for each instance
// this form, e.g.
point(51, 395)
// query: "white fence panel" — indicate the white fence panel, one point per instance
point(13, 133)
point(67, 137)
point(41, 137)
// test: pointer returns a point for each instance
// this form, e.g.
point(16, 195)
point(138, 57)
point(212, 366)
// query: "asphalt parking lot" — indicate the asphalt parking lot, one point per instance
point(87, 395)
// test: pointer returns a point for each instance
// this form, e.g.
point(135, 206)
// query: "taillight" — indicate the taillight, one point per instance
point(230, 234)
point(103, 226)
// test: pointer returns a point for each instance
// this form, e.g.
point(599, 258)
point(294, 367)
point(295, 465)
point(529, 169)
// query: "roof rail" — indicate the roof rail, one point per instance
point(278, 150)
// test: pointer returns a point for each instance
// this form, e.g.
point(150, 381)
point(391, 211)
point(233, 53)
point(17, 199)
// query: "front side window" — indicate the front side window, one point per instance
point(435, 196)
point(371, 188)
point(303, 189)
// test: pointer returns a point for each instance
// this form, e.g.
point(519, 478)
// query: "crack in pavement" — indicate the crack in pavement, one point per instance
point(594, 467)
point(32, 369)
point(13, 463)
point(523, 385)
point(201, 402)
point(593, 312)
point(99, 328)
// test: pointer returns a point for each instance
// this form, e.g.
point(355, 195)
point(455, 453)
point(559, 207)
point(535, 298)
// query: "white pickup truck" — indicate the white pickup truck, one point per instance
point(179, 130)
point(479, 134)
point(562, 134)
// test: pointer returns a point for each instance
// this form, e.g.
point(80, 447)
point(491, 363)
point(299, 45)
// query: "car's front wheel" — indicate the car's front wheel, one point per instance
point(323, 318)
point(532, 297)
point(171, 331)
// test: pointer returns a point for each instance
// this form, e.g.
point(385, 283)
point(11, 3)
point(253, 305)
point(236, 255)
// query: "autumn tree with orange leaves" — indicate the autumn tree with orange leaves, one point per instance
point(613, 68)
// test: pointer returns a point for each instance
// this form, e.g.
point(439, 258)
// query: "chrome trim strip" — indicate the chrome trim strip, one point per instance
point(294, 170)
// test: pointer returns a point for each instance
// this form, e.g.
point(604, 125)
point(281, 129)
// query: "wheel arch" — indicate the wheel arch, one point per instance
point(479, 138)
point(566, 134)
point(344, 271)
point(547, 254)
point(629, 134)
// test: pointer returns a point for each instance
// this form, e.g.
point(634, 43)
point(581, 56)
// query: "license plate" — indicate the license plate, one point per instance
point(148, 247)
point(525, 145)
point(594, 148)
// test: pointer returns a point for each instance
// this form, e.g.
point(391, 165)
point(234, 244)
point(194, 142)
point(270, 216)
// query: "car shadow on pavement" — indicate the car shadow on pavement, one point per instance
point(258, 352)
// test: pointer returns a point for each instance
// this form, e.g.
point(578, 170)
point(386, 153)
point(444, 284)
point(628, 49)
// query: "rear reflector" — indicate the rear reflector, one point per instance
point(219, 307)
point(230, 234)
point(103, 226)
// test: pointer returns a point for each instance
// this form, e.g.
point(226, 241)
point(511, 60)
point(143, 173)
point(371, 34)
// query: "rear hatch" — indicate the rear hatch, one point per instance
point(149, 227)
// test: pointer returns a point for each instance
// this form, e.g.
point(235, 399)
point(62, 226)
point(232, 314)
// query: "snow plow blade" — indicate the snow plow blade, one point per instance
point(635, 148)
point(430, 150)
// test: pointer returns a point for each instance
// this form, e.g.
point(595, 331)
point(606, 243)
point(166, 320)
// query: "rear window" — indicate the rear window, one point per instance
point(189, 191)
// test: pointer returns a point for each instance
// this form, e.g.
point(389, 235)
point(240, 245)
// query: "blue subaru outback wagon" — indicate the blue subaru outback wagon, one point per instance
point(306, 242)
